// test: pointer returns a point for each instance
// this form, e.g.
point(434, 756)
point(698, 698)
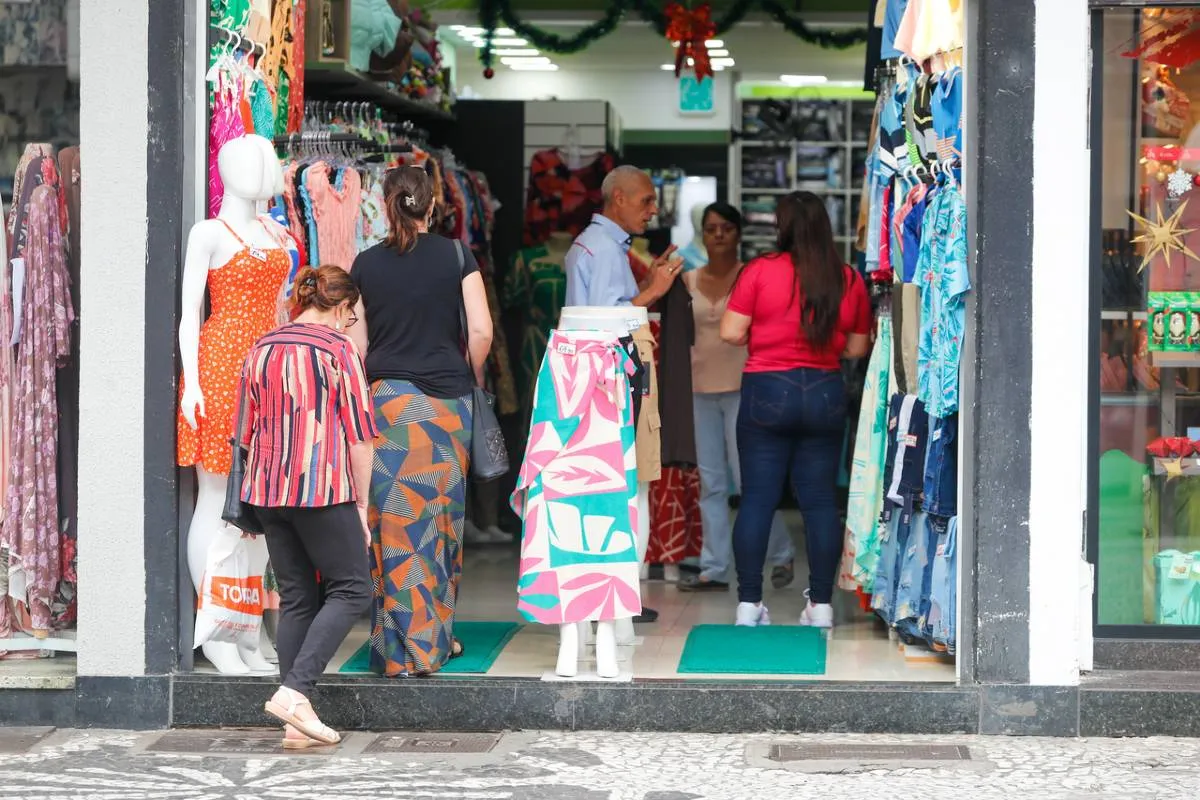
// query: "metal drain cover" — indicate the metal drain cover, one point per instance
point(434, 743)
point(873, 753)
point(228, 743)
point(16, 741)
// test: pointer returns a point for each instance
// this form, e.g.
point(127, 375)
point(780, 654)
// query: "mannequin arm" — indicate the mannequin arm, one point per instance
point(195, 279)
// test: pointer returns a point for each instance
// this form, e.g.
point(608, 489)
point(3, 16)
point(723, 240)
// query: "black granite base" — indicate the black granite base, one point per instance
point(1105, 704)
point(141, 703)
point(493, 705)
point(37, 707)
point(1146, 654)
point(1140, 704)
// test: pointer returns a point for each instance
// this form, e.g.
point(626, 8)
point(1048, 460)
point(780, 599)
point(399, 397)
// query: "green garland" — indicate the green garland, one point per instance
point(495, 14)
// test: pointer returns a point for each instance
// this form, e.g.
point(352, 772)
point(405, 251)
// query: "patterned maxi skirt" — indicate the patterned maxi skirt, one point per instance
point(418, 501)
point(577, 490)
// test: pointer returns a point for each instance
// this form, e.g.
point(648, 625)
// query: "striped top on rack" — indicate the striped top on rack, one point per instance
point(307, 403)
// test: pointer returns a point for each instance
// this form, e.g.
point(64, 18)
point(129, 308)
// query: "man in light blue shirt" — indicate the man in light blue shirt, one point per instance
point(597, 265)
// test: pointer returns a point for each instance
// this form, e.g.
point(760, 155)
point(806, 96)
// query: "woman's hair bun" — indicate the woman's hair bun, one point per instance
point(323, 288)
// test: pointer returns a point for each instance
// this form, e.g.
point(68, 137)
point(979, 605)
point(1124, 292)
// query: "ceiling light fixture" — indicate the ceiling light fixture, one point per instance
point(509, 43)
point(516, 52)
point(718, 53)
point(723, 62)
point(717, 43)
point(667, 67)
point(534, 67)
point(526, 60)
point(803, 80)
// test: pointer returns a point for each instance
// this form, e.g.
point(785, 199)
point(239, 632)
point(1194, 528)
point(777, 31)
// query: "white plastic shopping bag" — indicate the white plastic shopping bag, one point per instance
point(231, 599)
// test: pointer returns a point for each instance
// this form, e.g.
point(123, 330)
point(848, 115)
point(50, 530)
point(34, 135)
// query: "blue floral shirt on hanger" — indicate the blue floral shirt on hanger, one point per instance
point(942, 275)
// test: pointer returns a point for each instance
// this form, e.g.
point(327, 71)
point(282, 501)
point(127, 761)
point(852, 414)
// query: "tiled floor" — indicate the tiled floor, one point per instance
point(859, 649)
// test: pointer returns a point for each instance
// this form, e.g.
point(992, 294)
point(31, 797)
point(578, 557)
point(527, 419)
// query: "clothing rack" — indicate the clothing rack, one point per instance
point(352, 140)
point(218, 35)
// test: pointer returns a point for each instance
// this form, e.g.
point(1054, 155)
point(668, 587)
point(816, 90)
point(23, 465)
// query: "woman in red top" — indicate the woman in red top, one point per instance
point(800, 310)
point(309, 429)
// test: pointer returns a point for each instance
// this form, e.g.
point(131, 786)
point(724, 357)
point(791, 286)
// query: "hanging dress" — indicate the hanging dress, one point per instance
point(30, 533)
point(227, 124)
point(244, 296)
point(560, 198)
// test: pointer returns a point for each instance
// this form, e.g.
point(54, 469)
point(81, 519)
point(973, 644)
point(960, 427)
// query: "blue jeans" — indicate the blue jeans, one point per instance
point(941, 467)
point(891, 552)
point(943, 598)
point(716, 451)
point(790, 424)
point(916, 575)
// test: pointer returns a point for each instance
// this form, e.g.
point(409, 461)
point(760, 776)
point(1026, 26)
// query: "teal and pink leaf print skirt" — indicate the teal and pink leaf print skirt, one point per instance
point(577, 489)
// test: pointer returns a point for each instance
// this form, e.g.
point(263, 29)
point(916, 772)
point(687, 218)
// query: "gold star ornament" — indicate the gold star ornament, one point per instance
point(1164, 236)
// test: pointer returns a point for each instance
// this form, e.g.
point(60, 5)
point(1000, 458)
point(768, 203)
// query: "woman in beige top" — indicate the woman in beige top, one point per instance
point(716, 387)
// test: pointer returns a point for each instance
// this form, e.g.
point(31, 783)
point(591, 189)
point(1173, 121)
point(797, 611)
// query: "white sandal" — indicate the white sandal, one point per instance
point(313, 729)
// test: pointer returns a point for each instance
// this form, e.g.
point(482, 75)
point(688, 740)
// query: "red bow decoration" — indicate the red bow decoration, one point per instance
point(691, 28)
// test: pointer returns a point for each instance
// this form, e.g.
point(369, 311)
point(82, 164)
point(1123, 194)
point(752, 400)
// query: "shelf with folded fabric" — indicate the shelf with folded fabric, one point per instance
point(339, 82)
point(1180, 359)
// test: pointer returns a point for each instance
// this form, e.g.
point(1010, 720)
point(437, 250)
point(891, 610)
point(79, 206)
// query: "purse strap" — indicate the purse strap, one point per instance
point(462, 306)
point(241, 413)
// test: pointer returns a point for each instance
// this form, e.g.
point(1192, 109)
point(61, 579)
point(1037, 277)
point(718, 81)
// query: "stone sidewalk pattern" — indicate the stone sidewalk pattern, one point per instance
point(104, 765)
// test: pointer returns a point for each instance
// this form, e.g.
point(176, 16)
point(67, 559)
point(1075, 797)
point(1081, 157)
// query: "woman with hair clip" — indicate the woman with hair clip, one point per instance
point(416, 287)
point(308, 428)
point(801, 310)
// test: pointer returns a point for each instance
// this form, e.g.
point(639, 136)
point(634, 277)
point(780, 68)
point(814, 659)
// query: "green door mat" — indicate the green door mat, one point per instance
point(769, 650)
point(482, 644)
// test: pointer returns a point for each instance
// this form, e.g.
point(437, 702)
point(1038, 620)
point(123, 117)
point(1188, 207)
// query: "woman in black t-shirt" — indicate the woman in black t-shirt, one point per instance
point(412, 286)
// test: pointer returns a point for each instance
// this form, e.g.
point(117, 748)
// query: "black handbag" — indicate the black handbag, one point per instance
point(236, 512)
point(489, 453)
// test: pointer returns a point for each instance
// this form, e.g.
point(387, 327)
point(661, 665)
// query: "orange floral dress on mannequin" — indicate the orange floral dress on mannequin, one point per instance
point(244, 297)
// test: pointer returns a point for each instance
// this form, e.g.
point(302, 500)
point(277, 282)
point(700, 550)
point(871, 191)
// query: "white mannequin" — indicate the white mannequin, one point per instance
point(694, 253)
point(251, 174)
point(698, 230)
point(572, 638)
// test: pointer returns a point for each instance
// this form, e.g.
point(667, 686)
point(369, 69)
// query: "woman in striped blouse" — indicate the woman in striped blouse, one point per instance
point(309, 430)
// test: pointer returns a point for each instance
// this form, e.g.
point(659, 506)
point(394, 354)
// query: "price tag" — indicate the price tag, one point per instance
point(565, 348)
point(261, 255)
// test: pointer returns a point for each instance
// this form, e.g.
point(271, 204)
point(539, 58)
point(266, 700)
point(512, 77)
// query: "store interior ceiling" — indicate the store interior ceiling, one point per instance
point(760, 48)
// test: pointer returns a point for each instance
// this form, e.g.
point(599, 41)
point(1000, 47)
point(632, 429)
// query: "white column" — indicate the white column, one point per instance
point(113, 131)
point(1058, 420)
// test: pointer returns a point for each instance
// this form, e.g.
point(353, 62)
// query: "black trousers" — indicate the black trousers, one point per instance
point(303, 542)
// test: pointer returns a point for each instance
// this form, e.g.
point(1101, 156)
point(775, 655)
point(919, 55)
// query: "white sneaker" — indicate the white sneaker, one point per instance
point(498, 534)
point(752, 615)
point(816, 615)
point(474, 535)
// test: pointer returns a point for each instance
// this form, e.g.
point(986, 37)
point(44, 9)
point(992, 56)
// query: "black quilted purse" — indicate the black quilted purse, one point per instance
point(236, 512)
point(489, 453)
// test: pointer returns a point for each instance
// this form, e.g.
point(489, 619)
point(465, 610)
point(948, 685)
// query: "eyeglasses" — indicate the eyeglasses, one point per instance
point(350, 323)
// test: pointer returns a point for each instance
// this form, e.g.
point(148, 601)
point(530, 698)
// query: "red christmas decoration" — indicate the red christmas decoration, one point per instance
point(489, 73)
point(690, 28)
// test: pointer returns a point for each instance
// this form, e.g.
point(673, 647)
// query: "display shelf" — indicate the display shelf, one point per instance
point(1187, 467)
point(335, 81)
point(768, 156)
point(1175, 360)
point(60, 642)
